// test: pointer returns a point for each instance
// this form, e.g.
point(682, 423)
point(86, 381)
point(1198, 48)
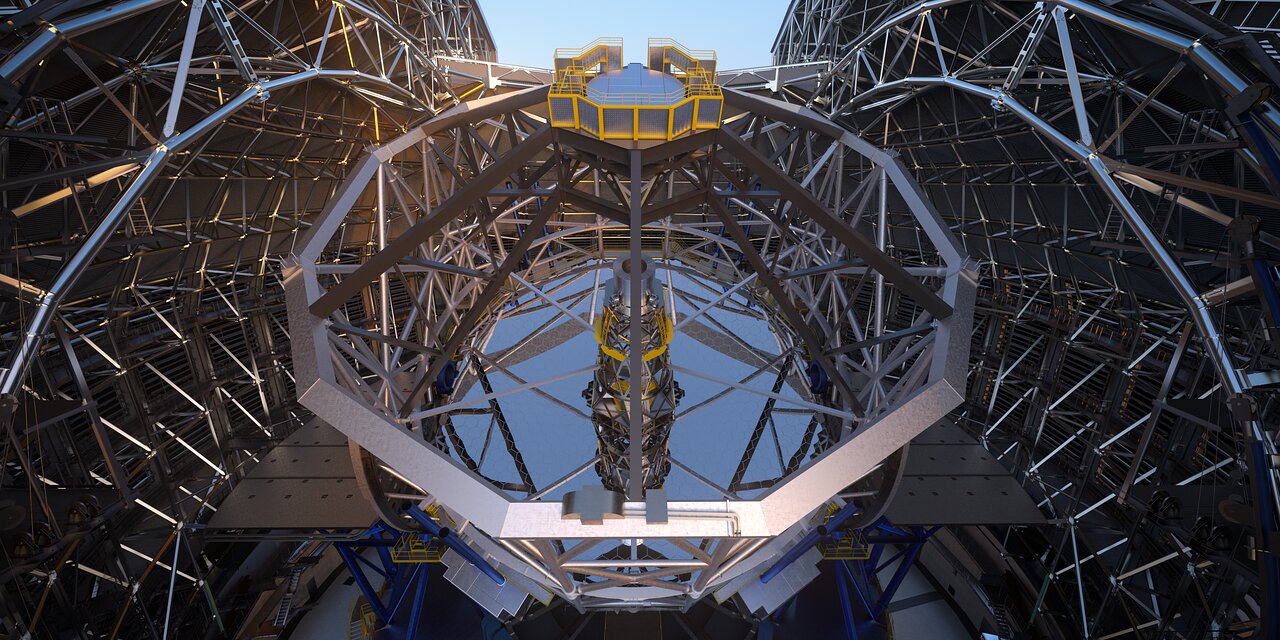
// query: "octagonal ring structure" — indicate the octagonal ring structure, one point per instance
point(469, 211)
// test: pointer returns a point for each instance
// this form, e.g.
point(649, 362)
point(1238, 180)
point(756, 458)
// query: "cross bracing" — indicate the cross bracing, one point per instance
point(1100, 162)
point(1106, 165)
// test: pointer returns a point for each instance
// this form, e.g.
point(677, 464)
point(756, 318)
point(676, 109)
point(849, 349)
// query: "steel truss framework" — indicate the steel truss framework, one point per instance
point(1106, 191)
point(485, 212)
point(159, 160)
point(1114, 168)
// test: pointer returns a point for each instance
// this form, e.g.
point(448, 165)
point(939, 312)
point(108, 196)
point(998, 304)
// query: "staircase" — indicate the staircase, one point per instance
point(286, 602)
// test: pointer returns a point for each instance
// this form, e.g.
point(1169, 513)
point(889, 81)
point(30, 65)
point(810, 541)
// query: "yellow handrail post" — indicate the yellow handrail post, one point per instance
point(572, 92)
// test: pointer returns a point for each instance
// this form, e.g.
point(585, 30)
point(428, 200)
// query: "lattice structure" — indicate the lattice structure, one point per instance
point(1088, 188)
point(173, 171)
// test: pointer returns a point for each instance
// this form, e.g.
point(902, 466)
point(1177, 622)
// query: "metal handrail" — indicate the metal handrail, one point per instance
point(692, 54)
point(605, 41)
point(699, 86)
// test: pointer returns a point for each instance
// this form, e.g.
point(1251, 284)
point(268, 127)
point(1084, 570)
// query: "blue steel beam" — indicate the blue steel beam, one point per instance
point(860, 573)
point(419, 600)
point(846, 608)
point(457, 545)
point(853, 579)
point(900, 573)
point(808, 541)
point(401, 583)
point(1268, 539)
point(382, 571)
point(401, 589)
point(1261, 143)
point(348, 556)
point(1268, 289)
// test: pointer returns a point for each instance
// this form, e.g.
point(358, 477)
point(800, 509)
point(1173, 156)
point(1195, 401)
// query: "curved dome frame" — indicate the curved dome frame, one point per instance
point(1152, 125)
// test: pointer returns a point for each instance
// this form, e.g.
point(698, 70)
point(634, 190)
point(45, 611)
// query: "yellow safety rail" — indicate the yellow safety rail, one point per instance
point(606, 320)
point(635, 116)
point(414, 548)
point(606, 50)
point(850, 546)
point(665, 51)
point(364, 622)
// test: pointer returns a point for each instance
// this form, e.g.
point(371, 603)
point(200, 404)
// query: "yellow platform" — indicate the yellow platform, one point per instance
point(686, 98)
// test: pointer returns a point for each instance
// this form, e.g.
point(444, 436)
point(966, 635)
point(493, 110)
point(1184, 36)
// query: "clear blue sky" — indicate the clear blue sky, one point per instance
point(741, 31)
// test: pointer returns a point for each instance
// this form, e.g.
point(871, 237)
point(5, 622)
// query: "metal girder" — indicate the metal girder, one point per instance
point(538, 256)
point(1078, 338)
point(168, 318)
point(165, 289)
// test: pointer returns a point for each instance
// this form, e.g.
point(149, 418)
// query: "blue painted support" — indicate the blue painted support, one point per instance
point(419, 600)
point(853, 579)
point(403, 588)
point(1260, 141)
point(810, 539)
point(1268, 532)
point(894, 539)
point(846, 609)
point(382, 571)
point(1267, 288)
point(348, 556)
point(457, 545)
point(384, 554)
point(891, 530)
point(901, 572)
point(806, 543)
point(898, 576)
point(876, 552)
point(877, 568)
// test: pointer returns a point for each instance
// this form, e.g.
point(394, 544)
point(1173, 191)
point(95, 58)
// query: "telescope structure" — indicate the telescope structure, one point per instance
point(608, 394)
point(958, 320)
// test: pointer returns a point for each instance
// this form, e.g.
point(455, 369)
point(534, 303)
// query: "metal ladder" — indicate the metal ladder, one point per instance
point(1003, 628)
point(1114, 227)
point(286, 602)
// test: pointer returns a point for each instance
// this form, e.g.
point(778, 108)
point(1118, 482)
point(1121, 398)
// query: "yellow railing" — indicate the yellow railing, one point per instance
point(697, 105)
point(664, 51)
point(364, 622)
point(607, 42)
point(415, 548)
point(850, 546)
point(635, 121)
point(579, 62)
point(668, 43)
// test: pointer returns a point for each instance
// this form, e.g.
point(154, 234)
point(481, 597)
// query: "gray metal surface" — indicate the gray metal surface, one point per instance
point(498, 600)
point(764, 598)
point(295, 503)
point(962, 500)
point(951, 480)
point(307, 482)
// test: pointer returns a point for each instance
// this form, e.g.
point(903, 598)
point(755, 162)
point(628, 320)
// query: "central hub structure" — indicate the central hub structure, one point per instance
point(609, 393)
point(676, 95)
